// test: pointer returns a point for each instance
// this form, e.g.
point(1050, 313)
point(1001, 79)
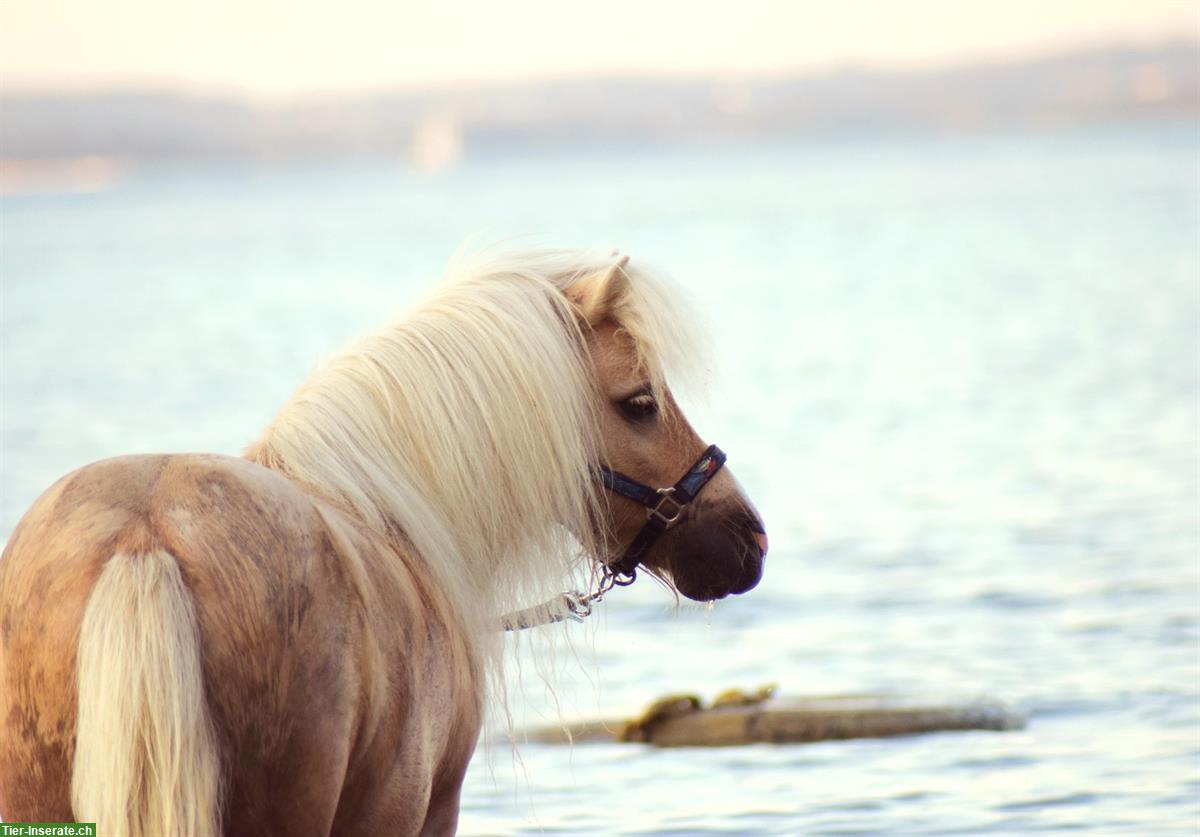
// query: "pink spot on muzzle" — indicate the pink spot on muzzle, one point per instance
point(761, 539)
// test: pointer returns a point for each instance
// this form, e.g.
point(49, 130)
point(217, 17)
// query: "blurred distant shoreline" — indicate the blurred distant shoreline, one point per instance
point(88, 140)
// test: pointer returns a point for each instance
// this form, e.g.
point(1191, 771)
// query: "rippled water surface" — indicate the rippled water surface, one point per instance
point(960, 379)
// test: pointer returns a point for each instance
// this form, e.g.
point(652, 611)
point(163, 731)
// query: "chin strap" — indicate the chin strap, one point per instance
point(665, 507)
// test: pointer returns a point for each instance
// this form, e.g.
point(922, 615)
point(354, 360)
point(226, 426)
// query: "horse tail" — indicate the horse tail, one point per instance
point(146, 755)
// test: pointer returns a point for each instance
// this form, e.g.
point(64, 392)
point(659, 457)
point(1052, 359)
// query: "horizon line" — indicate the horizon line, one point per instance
point(840, 67)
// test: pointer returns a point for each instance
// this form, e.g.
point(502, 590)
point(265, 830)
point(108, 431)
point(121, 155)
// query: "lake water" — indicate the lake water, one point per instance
point(959, 378)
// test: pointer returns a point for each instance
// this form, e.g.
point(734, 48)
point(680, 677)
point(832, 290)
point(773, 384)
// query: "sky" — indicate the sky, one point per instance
point(288, 48)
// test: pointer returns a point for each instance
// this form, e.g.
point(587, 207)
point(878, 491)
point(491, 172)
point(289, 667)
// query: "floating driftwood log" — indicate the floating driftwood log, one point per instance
point(736, 717)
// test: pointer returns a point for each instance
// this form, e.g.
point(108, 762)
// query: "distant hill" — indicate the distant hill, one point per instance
point(1112, 85)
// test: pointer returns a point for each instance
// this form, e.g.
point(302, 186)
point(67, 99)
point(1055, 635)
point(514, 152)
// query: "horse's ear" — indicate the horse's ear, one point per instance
point(597, 295)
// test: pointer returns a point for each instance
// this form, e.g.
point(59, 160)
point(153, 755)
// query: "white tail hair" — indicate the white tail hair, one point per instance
point(146, 755)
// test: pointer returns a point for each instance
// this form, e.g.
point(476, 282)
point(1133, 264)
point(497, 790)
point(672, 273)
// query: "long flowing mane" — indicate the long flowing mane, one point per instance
point(469, 428)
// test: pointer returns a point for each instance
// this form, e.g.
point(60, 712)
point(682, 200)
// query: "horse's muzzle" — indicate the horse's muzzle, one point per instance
point(713, 561)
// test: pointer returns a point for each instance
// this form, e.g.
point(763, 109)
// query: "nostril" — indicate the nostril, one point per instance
point(761, 539)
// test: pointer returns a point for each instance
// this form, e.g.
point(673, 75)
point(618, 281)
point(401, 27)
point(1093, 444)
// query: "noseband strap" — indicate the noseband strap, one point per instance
point(664, 508)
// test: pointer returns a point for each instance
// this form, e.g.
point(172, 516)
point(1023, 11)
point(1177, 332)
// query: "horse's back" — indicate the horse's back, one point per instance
point(307, 624)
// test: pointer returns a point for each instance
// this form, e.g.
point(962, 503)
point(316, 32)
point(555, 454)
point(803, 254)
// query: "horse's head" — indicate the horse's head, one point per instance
point(708, 545)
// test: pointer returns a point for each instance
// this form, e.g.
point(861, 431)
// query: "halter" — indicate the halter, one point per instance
point(664, 508)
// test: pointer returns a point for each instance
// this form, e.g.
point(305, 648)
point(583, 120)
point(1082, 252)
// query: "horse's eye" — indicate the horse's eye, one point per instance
point(639, 407)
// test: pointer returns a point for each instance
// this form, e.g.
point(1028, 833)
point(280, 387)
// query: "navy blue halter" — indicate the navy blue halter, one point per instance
point(664, 507)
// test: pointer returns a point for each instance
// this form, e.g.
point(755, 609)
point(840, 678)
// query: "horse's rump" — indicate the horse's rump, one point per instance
point(314, 638)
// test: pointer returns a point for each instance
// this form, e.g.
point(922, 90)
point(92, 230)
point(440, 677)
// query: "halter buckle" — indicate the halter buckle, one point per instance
point(671, 516)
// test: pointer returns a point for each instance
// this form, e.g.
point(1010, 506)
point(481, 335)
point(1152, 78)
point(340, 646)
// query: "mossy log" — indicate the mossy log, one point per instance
point(682, 721)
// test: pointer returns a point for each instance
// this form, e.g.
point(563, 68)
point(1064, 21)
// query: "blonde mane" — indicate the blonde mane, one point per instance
point(469, 428)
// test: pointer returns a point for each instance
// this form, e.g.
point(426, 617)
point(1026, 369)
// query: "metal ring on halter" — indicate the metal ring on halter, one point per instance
point(610, 578)
point(622, 578)
point(667, 497)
